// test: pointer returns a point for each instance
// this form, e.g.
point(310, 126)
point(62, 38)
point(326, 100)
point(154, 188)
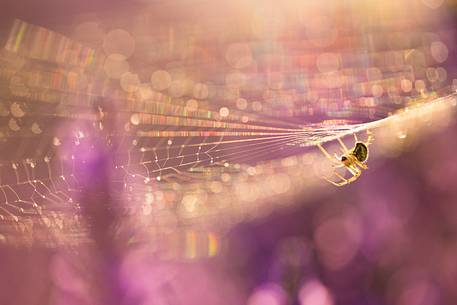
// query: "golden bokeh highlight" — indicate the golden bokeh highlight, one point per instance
point(160, 80)
point(119, 42)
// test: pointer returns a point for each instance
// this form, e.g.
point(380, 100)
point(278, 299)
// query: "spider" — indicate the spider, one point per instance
point(353, 160)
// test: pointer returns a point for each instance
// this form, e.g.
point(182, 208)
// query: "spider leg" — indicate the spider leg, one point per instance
point(336, 163)
point(355, 137)
point(343, 181)
point(345, 150)
point(355, 176)
point(340, 176)
point(355, 172)
point(334, 183)
point(361, 165)
point(370, 137)
point(326, 154)
point(352, 169)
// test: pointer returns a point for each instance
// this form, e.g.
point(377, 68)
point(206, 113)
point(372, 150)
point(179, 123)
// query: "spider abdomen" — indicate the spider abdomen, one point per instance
point(360, 152)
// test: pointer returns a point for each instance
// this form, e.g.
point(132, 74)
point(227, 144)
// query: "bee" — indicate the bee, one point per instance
point(353, 160)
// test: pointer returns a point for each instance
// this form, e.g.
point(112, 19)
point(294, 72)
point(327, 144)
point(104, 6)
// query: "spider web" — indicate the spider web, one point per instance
point(170, 165)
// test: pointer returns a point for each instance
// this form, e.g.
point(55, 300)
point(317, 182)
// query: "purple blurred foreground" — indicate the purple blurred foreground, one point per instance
point(390, 238)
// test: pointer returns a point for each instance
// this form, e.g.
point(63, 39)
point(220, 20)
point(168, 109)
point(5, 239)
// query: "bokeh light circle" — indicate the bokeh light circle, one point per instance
point(119, 42)
point(314, 292)
point(439, 51)
point(160, 80)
